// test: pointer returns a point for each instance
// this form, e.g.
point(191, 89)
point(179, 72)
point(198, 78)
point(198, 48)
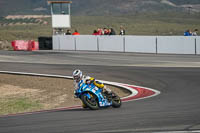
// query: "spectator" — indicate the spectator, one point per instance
point(99, 31)
point(76, 32)
point(95, 32)
point(112, 31)
point(68, 32)
point(106, 32)
point(195, 32)
point(188, 33)
point(122, 31)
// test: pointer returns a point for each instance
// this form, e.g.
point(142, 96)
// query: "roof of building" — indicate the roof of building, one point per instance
point(50, 2)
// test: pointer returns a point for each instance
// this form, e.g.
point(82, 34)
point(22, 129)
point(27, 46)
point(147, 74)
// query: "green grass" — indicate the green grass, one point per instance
point(18, 105)
point(141, 24)
point(138, 25)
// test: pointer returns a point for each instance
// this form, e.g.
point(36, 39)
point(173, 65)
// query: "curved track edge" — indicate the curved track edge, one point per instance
point(137, 92)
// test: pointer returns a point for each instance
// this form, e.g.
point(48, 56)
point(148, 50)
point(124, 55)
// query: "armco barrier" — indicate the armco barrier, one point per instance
point(176, 45)
point(111, 43)
point(142, 44)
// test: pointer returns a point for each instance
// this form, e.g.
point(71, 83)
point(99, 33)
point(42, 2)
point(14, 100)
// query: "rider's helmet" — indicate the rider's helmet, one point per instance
point(77, 75)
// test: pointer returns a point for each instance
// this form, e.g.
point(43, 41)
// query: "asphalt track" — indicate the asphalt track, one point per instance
point(177, 77)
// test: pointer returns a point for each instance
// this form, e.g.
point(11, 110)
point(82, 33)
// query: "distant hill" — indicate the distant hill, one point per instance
point(101, 7)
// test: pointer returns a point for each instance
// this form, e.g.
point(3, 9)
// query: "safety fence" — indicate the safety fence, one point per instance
point(138, 44)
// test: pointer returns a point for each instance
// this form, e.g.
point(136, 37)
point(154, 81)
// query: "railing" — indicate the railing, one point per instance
point(140, 44)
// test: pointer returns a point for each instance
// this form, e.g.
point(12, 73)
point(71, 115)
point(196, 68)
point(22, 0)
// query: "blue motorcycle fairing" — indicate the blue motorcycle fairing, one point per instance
point(91, 88)
point(88, 95)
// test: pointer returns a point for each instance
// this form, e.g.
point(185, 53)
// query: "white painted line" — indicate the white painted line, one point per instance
point(36, 74)
point(125, 86)
point(197, 131)
point(156, 92)
point(134, 92)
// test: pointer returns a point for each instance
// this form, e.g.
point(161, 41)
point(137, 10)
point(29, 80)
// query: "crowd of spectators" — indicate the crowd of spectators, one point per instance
point(104, 31)
point(190, 33)
point(74, 33)
point(99, 31)
point(108, 31)
point(111, 31)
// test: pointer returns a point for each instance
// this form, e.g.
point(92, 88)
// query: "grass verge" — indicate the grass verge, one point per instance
point(141, 24)
point(18, 105)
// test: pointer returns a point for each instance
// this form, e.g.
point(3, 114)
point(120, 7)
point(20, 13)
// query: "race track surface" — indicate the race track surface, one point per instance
point(177, 77)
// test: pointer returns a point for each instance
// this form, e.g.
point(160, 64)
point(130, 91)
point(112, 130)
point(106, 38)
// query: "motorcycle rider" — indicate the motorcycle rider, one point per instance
point(78, 76)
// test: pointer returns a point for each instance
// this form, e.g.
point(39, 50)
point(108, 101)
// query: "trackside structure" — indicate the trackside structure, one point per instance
point(138, 44)
point(60, 12)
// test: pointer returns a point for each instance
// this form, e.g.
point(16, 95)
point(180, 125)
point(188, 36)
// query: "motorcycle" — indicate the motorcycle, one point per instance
point(94, 98)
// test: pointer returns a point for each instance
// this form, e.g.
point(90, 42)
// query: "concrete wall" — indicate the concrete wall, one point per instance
point(67, 43)
point(56, 43)
point(176, 45)
point(142, 44)
point(198, 45)
point(86, 42)
point(110, 43)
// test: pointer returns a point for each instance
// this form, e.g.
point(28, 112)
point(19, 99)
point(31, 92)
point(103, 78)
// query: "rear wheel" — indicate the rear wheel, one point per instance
point(83, 105)
point(116, 101)
point(92, 102)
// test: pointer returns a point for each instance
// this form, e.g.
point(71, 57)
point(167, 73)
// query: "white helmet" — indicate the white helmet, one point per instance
point(77, 75)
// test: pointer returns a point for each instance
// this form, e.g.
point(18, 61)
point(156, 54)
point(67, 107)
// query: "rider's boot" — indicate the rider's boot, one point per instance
point(108, 93)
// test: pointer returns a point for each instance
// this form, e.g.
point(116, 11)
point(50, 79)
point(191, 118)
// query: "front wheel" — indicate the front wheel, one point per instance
point(116, 101)
point(92, 102)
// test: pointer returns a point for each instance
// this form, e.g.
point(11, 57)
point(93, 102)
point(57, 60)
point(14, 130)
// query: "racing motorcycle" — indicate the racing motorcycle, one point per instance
point(94, 98)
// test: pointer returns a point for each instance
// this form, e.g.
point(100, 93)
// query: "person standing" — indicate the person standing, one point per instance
point(106, 32)
point(99, 31)
point(195, 32)
point(95, 32)
point(122, 31)
point(76, 32)
point(188, 33)
point(112, 31)
point(68, 32)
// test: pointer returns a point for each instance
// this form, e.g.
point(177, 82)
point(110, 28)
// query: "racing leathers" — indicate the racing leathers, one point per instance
point(90, 80)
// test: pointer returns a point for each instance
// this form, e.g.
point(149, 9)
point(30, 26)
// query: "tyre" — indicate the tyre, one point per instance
point(91, 103)
point(84, 106)
point(116, 101)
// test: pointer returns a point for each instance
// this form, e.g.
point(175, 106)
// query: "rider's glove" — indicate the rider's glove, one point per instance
point(88, 82)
